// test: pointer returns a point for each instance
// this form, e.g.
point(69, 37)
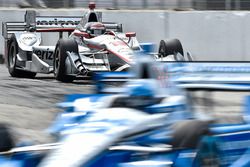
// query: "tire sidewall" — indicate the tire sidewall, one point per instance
point(56, 65)
point(11, 57)
point(169, 47)
point(60, 57)
point(12, 61)
point(162, 48)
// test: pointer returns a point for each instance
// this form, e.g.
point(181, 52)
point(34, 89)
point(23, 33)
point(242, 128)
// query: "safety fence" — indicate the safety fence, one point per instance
point(133, 4)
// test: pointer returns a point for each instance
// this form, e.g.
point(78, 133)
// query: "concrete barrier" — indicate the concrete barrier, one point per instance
point(208, 35)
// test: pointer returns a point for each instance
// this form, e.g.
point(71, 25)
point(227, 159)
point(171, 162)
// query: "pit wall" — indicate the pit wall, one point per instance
point(207, 35)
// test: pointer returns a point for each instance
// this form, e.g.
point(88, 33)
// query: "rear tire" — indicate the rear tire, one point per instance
point(60, 57)
point(170, 47)
point(12, 59)
point(195, 134)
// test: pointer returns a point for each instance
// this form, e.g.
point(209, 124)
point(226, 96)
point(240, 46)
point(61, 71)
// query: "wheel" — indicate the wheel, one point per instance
point(12, 61)
point(187, 134)
point(60, 56)
point(195, 134)
point(6, 139)
point(170, 47)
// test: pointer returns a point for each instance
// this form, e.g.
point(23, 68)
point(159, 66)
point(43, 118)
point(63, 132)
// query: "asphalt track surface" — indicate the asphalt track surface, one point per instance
point(28, 106)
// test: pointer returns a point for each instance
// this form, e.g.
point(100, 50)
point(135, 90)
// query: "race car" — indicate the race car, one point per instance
point(181, 138)
point(95, 131)
point(92, 46)
point(143, 132)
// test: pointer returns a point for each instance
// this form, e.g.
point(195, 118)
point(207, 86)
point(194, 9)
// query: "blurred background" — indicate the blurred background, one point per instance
point(134, 4)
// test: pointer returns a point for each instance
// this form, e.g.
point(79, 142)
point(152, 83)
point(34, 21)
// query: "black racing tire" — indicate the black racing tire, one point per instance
point(170, 47)
point(187, 134)
point(60, 57)
point(6, 138)
point(12, 59)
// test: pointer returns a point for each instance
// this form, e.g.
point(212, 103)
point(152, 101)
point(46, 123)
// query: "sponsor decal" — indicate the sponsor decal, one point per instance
point(57, 22)
point(28, 39)
point(44, 54)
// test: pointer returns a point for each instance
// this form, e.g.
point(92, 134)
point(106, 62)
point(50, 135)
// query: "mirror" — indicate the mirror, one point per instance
point(130, 34)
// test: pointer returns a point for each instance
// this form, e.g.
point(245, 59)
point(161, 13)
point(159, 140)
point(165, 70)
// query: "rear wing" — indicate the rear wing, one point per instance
point(9, 28)
point(34, 23)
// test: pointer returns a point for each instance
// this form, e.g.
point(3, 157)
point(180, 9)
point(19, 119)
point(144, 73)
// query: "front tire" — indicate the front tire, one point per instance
point(170, 47)
point(12, 61)
point(188, 133)
point(60, 57)
point(6, 138)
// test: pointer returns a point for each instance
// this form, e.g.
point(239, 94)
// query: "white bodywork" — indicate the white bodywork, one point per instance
point(111, 51)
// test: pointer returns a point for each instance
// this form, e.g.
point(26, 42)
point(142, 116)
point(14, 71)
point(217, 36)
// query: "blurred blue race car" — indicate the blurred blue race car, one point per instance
point(148, 123)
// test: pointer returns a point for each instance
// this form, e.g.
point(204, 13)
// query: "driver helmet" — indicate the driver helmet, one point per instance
point(95, 28)
point(141, 88)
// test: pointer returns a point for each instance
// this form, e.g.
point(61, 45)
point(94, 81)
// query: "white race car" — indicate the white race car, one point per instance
point(91, 46)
